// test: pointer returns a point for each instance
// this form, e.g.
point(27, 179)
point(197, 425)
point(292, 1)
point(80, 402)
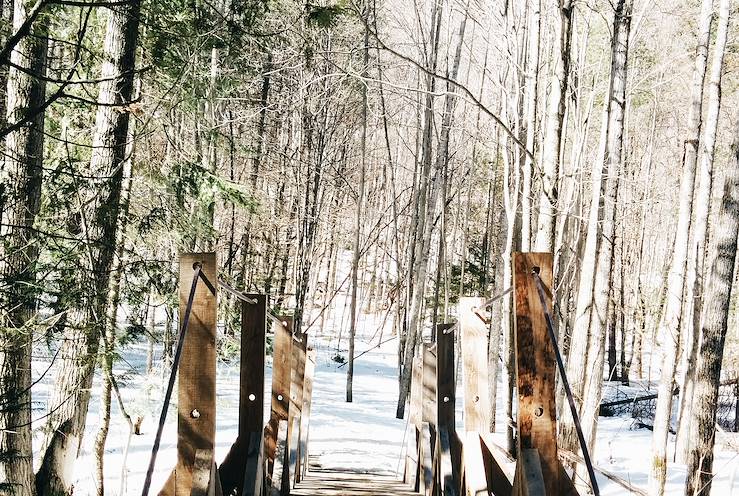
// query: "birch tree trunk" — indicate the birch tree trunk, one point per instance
point(358, 220)
point(19, 251)
point(588, 337)
point(608, 205)
point(532, 89)
point(713, 329)
point(697, 253)
point(425, 203)
point(556, 106)
point(669, 326)
point(65, 426)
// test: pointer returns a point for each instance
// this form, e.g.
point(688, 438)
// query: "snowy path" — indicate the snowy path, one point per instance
point(362, 436)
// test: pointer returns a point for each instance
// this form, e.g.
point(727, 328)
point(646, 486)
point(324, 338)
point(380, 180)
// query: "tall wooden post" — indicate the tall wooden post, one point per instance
point(297, 383)
point(429, 387)
point(196, 402)
point(251, 400)
point(281, 367)
point(448, 450)
point(445, 385)
point(474, 335)
point(310, 366)
point(535, 363)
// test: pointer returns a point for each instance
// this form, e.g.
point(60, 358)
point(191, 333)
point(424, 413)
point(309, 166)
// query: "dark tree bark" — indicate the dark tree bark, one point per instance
point(18, 253)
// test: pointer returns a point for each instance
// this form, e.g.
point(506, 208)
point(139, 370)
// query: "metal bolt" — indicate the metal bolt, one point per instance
point(252, 397)
point(195, 413)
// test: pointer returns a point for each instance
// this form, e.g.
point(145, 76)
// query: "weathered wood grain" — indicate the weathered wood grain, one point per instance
point(474, 348)
point(196, 401)
point(535, 365)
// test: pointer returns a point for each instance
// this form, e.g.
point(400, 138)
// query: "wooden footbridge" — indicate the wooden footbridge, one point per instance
point(270, 456)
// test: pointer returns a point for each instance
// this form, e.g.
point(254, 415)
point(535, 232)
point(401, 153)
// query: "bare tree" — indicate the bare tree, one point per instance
point(556, 105)
point(714, 327)
point(669, 326)
point(698, 247)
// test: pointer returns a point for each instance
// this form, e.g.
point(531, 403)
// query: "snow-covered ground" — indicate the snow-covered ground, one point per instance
point(362, 435)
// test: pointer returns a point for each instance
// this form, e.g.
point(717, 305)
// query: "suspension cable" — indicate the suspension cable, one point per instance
point(251, 301)
point(565, 382)
point(172, 375)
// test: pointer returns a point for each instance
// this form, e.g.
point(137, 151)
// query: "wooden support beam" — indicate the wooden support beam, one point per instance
point(474, 335)
point(281, 369)
point(425, 459)
point(475, 482)
point(281, 469)
point(310, 366)
point(293, 433)
point(445, 384)
point(416, 402)
point(535, 365)
point(429, 387)
point(529, 479)
point(251, 391)
point(410, 476)
point(253, 342)
point(447, 482)
point(297, 384)
point(196, 401)
point(497, 473)
point(201, 472)
point(254, 468)
point(496, 461)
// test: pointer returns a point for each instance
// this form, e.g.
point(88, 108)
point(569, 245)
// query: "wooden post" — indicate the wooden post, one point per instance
point(416, 392)
point(535, 365)
point(297, 382)
point(281, 469)
point(310, 365)
point(429, 387)
point(474, 335)
point(251, 393)
point(196, 402)
point(446, 401)
point(281, 360)
point(445, 386)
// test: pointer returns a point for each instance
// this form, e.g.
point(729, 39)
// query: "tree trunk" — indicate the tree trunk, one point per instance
point(556, 106)
point(114, 299)
point(425, 206)
point(602, 286)
point(358, 224)
point(65, 426)
point(697, 253)
point(669, 326)
point(714, 328)
point(19, 252)
point(532, 85)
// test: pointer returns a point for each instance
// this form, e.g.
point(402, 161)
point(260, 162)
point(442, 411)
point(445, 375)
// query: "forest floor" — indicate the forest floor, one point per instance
point(359, 436)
